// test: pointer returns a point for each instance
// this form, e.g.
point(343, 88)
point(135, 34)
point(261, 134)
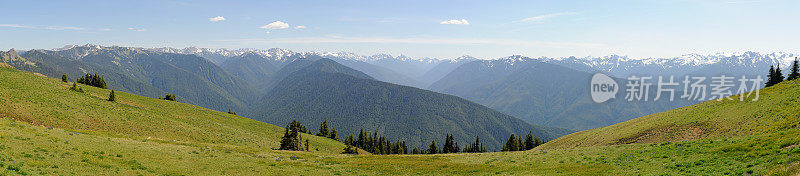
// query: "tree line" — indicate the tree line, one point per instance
point(515, 143)
point(93, 80)
point(379, 145)
point(374, 143)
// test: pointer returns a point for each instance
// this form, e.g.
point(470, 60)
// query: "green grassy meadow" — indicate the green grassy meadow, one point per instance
point(47, 129)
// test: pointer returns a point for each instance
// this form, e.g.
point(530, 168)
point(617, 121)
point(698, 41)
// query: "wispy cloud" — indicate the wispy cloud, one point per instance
point(300, 27)
point(454, 21)
point(388, 40)
point(64, 28)
point(546, 17)
point(55, 28)
point(15, 26)
point(137, 29)
point(275, 25)
point(216, 19)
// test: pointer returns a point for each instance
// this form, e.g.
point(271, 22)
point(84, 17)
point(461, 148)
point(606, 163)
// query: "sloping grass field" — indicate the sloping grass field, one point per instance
point(48, 129)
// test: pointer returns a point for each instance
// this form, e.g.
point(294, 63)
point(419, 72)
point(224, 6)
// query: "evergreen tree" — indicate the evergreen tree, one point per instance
point(171, 97)
point(795, 71)
point(475, 147)
point(537, 142)
point(433, 149)
point(349, 149)
point(323, 128)
point(415, 151)
point(303, 129)
point(447, 144)
point(292, 140)
point(361, 138)
point(511, 144)
point(334, 135)
point(76, 88)
point(93, 80)
point(403, 147)
point(450, 145)
point(778, 75)
point(376, 144)
point(770, 77)
point(529, 142)
point(350, 140)
point(64, 78)
point(112, 97)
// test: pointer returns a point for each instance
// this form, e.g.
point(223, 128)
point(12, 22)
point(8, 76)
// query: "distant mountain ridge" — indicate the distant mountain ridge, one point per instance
point(351, 100)
point(543, 93)
point(622, 66)
point(616, 65)
point(400, 69)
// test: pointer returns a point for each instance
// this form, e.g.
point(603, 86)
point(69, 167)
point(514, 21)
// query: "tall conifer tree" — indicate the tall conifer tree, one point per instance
point(794, 73)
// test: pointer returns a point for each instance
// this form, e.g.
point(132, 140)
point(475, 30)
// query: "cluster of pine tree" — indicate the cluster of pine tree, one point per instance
point(775, 75)
point(92, 80)
point(171, 97)
point(292, 139)
point(375, 144)
point(324, 132)
point(451, 146)
point(475, 147)
point(515, 143)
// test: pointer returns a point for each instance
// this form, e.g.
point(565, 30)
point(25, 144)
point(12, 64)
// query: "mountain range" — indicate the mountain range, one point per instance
point(300, 86)
point(542, 91)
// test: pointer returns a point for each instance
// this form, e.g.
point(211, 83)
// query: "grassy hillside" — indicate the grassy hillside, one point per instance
point(143, 136)
point(49, 102)
point(776, 110)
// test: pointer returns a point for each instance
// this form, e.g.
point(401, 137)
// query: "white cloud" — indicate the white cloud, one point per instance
point(216, 19)
point(104, 29)
point(543, 18)
point(137, 30)
point(15, 26)
point(300, 27)
point(275, 25)
point(64, 28)
point(461, 22)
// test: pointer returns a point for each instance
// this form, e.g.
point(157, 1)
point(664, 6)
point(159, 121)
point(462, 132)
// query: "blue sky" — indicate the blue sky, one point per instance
point(442, 29)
